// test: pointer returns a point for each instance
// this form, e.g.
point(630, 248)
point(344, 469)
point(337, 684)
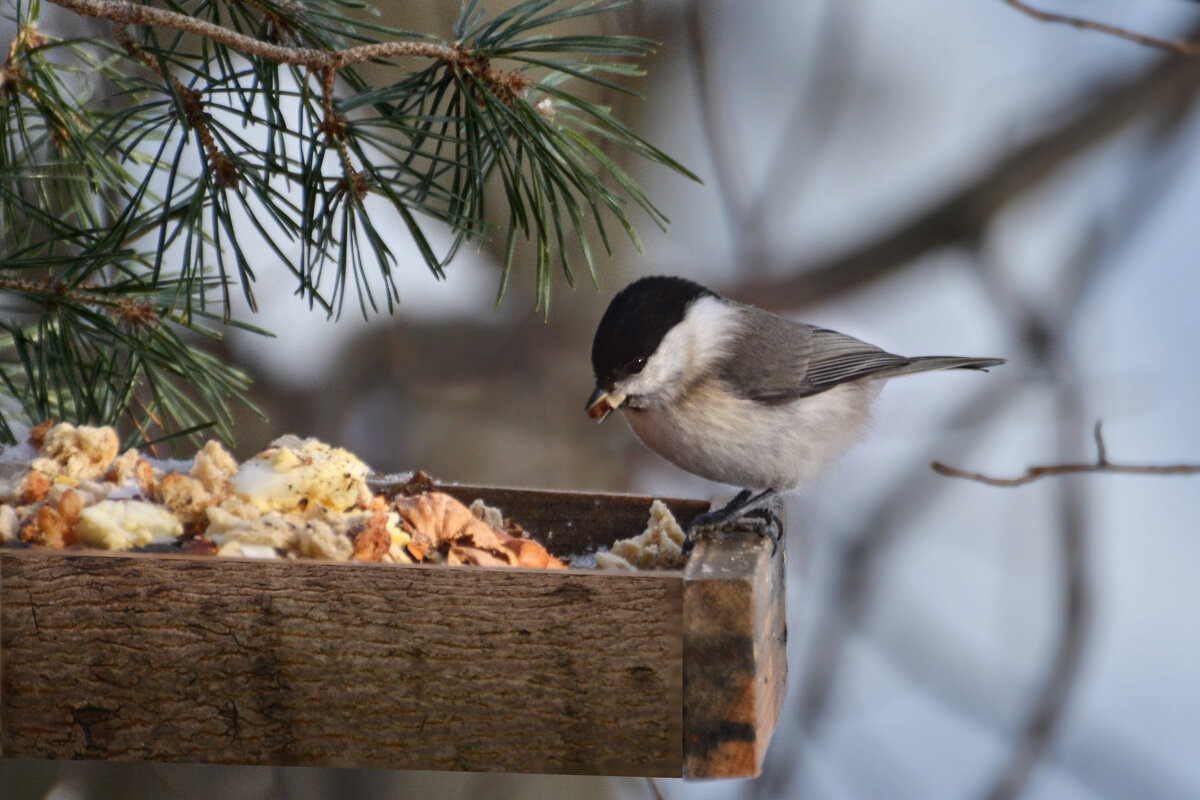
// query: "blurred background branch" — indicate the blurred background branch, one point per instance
point(1164, 89)
point(1181, 47)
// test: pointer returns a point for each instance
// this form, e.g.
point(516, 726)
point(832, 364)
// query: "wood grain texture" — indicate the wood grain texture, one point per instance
point(173, 658)
point(151, 658)
point(734, 654)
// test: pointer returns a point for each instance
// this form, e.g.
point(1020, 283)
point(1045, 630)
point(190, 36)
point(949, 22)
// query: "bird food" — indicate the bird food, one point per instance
point(67, 487)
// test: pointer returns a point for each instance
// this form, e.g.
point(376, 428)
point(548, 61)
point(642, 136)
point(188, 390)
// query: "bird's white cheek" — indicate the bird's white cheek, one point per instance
point(639, 391)
point(661, 380)
point(684, 357)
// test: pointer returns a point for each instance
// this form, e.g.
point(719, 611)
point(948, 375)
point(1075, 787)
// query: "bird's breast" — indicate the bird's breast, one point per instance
point(712, 433)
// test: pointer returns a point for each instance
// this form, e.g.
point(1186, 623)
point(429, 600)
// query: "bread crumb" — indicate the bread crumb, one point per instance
point(34, 488)
point(214, 467)
point(125, 524)
point(80, 453)
point(372, 540)
point(123, 468)
point(187, 498)
point(489, 514)
point(297, 498)
point(273, 529)
point(659, 546)
point(244, 550)
point(9, 524)
point(605, 559)
point(319, 540)
point(294, 473)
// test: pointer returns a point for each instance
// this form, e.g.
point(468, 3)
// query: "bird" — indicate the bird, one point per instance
point(737, 394)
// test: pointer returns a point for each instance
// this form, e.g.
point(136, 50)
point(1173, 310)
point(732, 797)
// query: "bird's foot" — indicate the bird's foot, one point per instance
point(752, 513)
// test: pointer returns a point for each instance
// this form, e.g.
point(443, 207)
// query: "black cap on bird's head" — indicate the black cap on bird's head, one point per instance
point(636, 321)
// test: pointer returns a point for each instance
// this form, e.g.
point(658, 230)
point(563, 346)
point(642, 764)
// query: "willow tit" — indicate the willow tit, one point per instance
point(736, 394)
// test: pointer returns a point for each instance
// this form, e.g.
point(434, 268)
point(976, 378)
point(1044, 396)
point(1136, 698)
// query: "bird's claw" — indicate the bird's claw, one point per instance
point(763, 521)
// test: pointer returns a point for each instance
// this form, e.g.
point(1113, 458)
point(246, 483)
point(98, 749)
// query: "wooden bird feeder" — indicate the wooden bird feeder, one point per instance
point(139, 657)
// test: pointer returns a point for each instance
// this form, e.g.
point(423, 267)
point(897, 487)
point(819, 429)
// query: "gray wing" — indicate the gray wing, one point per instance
point(838, 358)
point(785, 360)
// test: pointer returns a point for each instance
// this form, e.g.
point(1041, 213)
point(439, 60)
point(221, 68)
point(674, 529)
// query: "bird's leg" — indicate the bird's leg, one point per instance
point(725, 512)
point(754, 509)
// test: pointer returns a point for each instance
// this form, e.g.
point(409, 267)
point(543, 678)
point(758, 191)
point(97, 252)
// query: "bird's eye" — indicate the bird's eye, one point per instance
point(636, 365)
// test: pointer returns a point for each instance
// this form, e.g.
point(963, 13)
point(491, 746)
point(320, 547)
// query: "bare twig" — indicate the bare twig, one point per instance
point(654, 789)
point(1102, 464)
point(1176, 46)
point(1101, 450)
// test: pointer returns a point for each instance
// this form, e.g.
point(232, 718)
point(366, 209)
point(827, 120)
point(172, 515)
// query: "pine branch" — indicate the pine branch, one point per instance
point(462, 98)
point(150, 171)
point(100, 354)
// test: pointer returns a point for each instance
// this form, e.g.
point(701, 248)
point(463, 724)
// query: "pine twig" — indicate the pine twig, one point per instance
point(1175, 46)
point(323, 62)
point(316, 60)
point(1102, 464)
point(190, 100)
point(45, 291)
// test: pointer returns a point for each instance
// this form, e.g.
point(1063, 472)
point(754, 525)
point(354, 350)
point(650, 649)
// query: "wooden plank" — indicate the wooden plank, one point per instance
point(170, 658)
point(734, 653)
point(153, 658)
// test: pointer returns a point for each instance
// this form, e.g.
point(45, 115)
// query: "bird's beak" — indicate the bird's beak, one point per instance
point(603, 403)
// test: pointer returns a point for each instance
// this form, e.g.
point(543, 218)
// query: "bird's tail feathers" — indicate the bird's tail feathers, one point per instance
point(928, 363)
